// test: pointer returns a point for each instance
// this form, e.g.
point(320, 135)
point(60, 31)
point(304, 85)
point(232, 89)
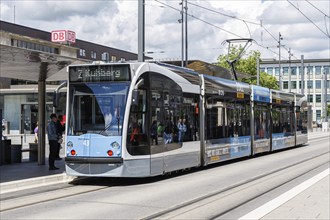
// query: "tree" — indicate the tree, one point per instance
point(248, 64)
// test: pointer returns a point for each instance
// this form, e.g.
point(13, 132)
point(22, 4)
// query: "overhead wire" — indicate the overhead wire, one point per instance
point(213, 25)
point(226, 15)
point(318, 9)
point(190, 15)
point(309, 19)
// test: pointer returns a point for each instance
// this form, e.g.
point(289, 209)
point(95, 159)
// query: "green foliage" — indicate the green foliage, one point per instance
point(328, 111)
point(248, 64)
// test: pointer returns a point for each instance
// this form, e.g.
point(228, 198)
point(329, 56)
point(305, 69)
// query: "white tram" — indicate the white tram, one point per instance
point(147, 119)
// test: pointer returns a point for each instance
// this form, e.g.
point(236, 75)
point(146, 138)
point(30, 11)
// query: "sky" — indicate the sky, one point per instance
point(304, 25)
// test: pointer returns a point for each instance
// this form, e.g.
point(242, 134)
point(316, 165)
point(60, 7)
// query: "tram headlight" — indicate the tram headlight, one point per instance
point(69, 144)
point(110, 153)
point(115, 144)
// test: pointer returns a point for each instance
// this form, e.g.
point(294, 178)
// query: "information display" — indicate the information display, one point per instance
point(99, 73)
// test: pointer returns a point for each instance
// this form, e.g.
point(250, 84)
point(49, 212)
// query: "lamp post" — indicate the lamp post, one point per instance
point(182, 35)
point(325, 99)
point(290, 54)
point(279, 59)
point(141, 29)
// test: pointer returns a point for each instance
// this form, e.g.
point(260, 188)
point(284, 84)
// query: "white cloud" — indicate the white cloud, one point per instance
point(114, 23)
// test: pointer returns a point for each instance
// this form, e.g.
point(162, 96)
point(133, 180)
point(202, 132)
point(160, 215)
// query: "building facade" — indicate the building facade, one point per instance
point(19, 97)
point(315, 79)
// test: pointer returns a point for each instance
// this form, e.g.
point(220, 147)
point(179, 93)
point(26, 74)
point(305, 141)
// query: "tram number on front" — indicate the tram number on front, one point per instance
point(240, 95)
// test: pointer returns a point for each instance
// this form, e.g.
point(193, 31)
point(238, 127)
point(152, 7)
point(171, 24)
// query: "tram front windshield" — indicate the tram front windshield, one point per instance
point(97, 108)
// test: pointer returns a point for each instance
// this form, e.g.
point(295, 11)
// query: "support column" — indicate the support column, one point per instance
point(41, 113)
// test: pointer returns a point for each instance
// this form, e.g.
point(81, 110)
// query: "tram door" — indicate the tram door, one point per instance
point(156, 132)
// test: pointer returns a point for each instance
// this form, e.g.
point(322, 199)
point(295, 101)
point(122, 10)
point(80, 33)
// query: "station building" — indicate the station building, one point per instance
point(316, 78)
point(24, 46)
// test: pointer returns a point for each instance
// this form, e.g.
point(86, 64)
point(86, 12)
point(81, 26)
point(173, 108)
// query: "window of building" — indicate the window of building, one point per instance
point(93, 54)
point(82, 52)
point(293, 71)
point(262, 69)
point(293, 84)
point(318, 115)
point(310, 70)
point(318, 70)
point(270, 70)
point(318, 98)
point(277, 71)
point(105, 56)
point(285, 85)
point(122, 59)
point(326, 69)
point(317, 84)
point(310, 98)
point(285, 71)
point(33, 46)
point(113, 58)
point(309, 84)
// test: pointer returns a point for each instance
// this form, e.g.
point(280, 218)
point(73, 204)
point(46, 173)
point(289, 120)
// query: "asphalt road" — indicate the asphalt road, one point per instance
point(224, 191)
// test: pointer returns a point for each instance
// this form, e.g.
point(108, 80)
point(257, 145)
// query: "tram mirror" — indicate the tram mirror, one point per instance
point(135, 97)
point(56, 98)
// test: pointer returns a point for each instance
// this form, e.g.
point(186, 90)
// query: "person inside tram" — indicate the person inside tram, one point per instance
point(182, 128)
point(135, 135)
point(153, 133)
point(261, 127)
point(231, 129)
point(168, 131)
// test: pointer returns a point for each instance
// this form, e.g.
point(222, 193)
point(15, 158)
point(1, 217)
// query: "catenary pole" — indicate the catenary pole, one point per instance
point(141, 28)
point(279, 60)
point(289, 69)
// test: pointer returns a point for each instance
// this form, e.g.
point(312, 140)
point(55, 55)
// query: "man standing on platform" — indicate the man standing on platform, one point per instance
point(53, 138)
point(60, 130)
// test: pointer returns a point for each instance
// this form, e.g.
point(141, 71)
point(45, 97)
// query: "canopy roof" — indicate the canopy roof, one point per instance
point(25, 64)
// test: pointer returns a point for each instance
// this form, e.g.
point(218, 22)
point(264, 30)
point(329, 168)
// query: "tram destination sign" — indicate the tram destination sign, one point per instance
point(99, 73)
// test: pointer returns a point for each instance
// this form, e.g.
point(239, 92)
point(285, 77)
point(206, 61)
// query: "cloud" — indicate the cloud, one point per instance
point(114, 23)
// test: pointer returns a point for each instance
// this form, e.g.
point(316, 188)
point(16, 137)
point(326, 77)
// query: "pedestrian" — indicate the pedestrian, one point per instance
point(36, 133)
point(60, 130)
point(53, 138)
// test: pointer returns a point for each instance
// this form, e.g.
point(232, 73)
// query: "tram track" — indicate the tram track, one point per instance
point(220, 202)
point(87, 185)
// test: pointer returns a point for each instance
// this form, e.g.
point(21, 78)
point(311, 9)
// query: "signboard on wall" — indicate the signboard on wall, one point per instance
point(63, 36)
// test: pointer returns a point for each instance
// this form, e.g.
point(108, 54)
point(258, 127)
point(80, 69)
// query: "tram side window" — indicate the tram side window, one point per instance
point(261, 121)
point(283, 120)
point(137, 143)
point(301, 113)
point(225, 119)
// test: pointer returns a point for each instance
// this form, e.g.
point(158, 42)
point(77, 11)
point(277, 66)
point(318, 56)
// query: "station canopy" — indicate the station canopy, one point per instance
point(24, 64)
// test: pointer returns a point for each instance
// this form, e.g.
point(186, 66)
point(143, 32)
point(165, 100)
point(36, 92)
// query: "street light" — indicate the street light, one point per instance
point(279, 59)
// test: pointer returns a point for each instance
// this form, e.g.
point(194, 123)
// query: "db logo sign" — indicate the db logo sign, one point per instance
point(64, 36)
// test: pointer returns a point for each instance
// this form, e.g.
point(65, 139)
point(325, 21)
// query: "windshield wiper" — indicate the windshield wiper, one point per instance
point(110, 124)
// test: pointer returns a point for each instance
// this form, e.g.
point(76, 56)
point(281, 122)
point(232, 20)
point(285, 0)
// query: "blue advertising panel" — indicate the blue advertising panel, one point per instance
point(260, 94)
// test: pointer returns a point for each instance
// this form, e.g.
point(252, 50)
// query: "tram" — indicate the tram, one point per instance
point(143, 119)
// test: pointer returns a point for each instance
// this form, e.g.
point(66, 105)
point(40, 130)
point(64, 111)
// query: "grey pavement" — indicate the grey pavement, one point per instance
point(312, 203)
point(17, 176)
point(25, 169)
